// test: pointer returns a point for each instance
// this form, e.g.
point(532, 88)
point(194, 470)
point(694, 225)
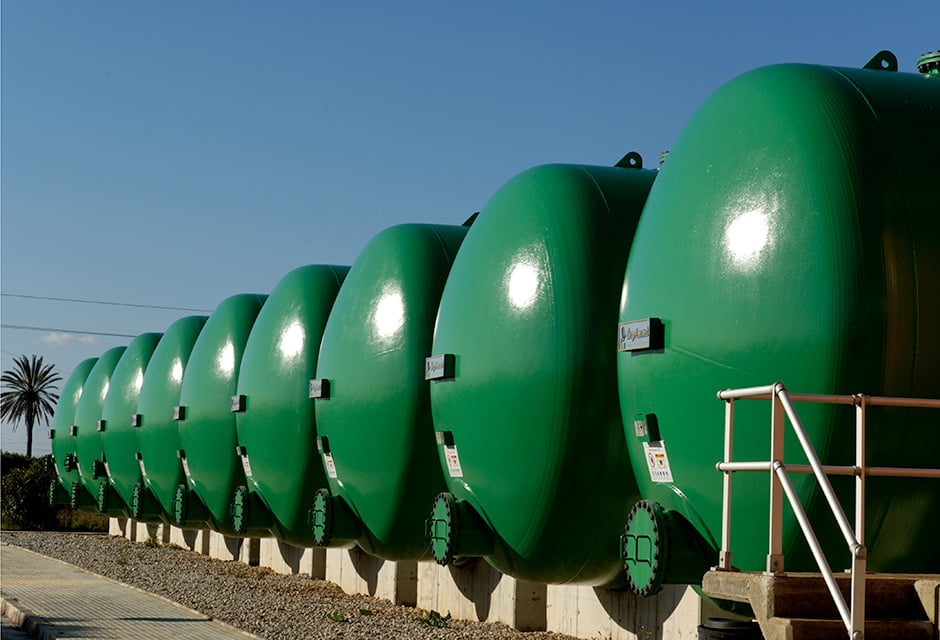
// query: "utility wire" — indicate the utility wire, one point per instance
point(113, 304)
point(76, 331)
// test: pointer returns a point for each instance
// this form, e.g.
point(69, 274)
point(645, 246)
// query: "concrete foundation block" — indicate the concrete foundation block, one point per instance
point(222, 547)
point(285, 558)
point(194, 540)
point(476, 591)
point(130, 529)
point(355, 571)
point(145, 531)
point(589, 612)
point(116, 526)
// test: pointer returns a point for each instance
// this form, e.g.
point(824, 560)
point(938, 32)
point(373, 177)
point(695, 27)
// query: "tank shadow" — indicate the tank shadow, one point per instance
point(476, 580)
point(640, 616)
point(367, 567)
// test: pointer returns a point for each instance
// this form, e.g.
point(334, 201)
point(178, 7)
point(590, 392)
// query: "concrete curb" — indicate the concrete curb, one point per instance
point(32, 624)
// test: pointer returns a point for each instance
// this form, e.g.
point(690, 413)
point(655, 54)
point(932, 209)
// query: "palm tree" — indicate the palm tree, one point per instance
point(29, 394)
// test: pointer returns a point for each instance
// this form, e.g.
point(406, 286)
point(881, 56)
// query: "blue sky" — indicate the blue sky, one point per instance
point(177, 153)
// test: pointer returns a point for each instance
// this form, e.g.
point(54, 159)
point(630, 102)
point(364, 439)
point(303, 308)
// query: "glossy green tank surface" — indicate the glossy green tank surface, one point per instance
point(529, 425)
point(67, 483)
point(92, 466)
point(375, 426)
point(157, 407)
point(207, 433)
point(793, 235)
point(277, 431)
point(120, 428)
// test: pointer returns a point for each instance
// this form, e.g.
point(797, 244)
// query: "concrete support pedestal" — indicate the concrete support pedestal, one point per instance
point(247, 550)
point(284, 558)
point(589, 612)
point(477, 591)
point(194, 540)
point(355, 571)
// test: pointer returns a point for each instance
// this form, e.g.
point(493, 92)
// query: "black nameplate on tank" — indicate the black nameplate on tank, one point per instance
point(319, 388)
point(238, 403)
point(101, 425)
point(641, 335)
point(73, 430)
point(137, 420)
point(179, 413)
point(440, 367)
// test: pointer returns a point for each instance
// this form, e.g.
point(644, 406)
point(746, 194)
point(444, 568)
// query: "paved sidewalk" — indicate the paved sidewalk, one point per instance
point(53, 599)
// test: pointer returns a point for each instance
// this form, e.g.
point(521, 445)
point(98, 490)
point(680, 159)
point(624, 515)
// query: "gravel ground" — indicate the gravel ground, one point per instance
point(252, 599)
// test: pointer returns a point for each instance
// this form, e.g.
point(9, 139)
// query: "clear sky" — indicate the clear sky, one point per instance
point(176, 153)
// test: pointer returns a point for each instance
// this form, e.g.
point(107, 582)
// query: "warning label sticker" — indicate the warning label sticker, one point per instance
point(186, 468)
point(657, 461)
point(330, 465)
point(246, 466)
point(143, 469)
point(453, 461)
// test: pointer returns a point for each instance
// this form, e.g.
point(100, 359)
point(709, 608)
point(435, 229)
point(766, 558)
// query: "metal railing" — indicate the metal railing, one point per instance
point(853, 613)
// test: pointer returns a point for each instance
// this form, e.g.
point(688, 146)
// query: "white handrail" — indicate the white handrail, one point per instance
point(853, 615)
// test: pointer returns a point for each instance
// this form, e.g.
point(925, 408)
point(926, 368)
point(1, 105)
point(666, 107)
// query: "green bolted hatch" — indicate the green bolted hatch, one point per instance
point(67, 485)
point(376, 433)
point(277, 430)
point(87, 437)
point(120, 425)
point(792, 236)
point(208, 446)
point(157, 408)
point(528, 422)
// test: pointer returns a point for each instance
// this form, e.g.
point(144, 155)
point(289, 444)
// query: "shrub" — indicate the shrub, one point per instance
point(25, 490)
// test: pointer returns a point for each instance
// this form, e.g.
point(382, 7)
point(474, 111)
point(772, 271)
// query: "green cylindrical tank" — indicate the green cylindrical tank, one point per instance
point(158, 411)
point(376, 433)
point(793, 235)
point(208, 446)
point(91, 464)
point(523, 391)
point(67, 484)
point(277, 431)
point(120, 424)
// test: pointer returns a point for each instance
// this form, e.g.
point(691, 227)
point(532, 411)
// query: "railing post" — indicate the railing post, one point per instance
point(724, 557)
point(859, 560)
point(860, 406)
point(777, 417)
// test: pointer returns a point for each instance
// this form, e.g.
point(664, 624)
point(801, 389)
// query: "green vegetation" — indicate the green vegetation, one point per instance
point(434, 619)
point(24, 484)
point(29, 394)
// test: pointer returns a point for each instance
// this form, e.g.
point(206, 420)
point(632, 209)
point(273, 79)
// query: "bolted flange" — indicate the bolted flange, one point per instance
point(643, 547)
point(332, 522)
point(661, 546)
point(136, 500)
point(180, 504)
point(442, 528)
point(103, 496)
point(455, 530)
point(74, 494)
point(240, 509)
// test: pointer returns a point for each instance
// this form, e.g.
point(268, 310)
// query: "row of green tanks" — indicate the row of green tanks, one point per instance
point(456, 393)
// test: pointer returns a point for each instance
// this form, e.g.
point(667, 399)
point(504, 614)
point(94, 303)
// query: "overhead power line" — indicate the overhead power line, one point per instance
point(75, 331)
point(105, 302)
